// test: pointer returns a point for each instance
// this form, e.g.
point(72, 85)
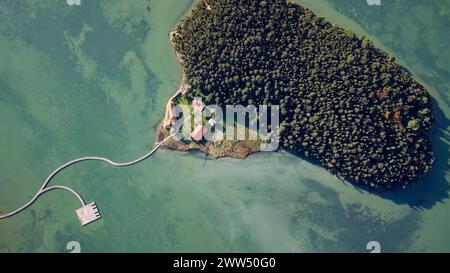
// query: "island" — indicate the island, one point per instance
point(344, 104)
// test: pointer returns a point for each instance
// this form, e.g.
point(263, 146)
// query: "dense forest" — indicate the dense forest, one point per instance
point(343, 102)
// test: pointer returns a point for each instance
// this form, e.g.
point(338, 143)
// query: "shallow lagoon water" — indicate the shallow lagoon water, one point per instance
point(93, 80)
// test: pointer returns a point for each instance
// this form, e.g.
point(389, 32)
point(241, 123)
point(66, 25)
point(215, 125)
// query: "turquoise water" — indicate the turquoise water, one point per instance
point(93, 80)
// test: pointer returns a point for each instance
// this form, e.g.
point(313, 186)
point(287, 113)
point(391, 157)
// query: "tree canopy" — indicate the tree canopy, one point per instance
point(343, 102)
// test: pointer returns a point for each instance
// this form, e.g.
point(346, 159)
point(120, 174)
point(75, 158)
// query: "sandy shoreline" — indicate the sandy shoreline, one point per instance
point(227, 148)
point(184, 86)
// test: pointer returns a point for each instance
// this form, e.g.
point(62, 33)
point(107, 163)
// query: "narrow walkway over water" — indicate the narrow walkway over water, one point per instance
point(45, 189)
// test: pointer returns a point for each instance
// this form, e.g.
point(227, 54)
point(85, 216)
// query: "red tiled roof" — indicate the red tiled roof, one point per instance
point(198, 106)
point(197, 134)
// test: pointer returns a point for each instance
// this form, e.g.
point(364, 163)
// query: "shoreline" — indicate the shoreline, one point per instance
point(367, 171)
point(227, 148)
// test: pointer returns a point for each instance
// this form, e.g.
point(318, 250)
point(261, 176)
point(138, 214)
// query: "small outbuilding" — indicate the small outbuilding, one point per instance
point(197, 134)
point(197, 105)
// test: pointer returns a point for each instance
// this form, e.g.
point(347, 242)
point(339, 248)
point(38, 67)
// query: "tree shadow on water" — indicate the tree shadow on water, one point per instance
point(433, 188)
